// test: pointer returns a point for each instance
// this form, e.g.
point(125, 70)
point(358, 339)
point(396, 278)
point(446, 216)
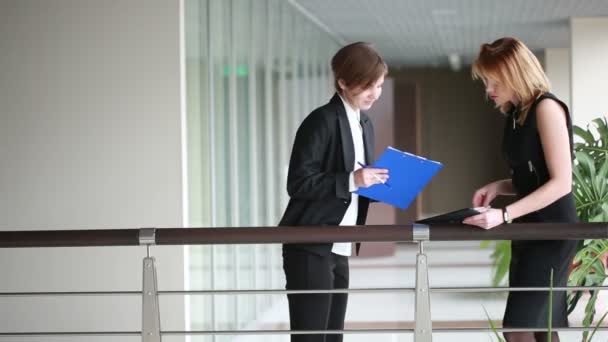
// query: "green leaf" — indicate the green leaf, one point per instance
point(599, 323)
point(550, 307)
point(492, 326)
point(502, 260)
point(486, 244)
point(584, 134)
point(601, 125)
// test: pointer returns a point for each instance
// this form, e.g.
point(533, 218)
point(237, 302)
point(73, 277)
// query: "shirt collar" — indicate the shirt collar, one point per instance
point(350, 112)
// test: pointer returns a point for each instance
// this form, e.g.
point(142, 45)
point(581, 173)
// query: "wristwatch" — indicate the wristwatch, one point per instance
point(505, 216)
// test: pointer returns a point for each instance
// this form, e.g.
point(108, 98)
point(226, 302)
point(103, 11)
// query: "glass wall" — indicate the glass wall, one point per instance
point(254, 69)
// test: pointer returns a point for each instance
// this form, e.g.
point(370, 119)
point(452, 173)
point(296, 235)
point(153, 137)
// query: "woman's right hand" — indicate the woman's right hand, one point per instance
point(485, 195)
point(368, 176)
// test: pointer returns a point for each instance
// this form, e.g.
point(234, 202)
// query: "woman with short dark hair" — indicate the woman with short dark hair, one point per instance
point(324, 170)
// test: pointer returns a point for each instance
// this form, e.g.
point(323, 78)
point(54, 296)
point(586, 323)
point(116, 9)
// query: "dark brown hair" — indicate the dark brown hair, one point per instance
point(358, 65)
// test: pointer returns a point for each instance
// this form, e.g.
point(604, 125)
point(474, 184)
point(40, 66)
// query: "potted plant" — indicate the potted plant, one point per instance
point(590, 188)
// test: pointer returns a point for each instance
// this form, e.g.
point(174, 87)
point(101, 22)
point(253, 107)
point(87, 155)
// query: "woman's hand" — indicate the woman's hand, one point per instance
point(368, 176)
point(487, 219)
point(485, 195)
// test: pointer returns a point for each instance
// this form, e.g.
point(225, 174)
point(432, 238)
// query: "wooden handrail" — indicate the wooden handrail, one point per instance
point(300, 234)
point(69, 238)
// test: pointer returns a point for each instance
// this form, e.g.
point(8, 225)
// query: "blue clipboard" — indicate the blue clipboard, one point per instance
point(408, 175)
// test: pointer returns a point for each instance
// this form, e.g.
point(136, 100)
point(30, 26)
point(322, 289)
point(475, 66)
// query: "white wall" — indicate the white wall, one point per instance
point(557, 67)
point(90, 127)
point(589, 68)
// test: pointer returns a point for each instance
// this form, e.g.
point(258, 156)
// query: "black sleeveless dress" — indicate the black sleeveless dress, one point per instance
point(532, 261)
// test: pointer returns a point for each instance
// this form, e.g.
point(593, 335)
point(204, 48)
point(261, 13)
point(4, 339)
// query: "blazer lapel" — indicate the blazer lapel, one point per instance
point(348, 149)
point(368, 139)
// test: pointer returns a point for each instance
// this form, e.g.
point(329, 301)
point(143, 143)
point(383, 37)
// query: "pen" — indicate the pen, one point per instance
point(375, 175)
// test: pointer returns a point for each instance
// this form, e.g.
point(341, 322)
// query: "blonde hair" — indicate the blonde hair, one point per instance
point(510, 62)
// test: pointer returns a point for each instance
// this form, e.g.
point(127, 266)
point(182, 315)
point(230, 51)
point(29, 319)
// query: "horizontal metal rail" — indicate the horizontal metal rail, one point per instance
point(277, 291)
point(369, 331)
point(295, 332)
point(514, 289)
point(300, 234)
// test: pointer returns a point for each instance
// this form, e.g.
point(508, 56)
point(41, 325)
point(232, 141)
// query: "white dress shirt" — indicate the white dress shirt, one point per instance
point(350, 216)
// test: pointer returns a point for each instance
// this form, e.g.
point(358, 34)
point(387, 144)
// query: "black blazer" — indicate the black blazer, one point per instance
point(322, 158)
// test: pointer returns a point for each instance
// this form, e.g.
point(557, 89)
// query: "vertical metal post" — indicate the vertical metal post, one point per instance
point(423, 327)
point(150, 322)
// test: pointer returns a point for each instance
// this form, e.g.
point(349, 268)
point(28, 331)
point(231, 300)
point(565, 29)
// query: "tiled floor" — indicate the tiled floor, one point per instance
point(450, 265)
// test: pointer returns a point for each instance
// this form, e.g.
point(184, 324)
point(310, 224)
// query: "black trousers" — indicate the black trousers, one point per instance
point(308, 271)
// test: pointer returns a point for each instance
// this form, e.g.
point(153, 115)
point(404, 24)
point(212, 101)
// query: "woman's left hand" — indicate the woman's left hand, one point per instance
point(488, 219)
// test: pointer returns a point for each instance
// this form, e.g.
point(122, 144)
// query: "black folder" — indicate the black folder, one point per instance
point(456, 216)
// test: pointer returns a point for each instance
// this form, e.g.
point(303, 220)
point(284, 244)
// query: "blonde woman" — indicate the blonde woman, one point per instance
point(537, 145)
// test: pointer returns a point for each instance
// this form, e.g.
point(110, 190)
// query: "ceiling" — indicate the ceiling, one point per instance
point(426, 32)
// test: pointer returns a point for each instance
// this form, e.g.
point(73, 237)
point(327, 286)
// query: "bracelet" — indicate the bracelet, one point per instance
point(505, 216)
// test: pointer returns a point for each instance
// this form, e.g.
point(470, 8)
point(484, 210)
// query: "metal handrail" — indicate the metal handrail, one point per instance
point(367, 331)
point(315, 234)
point(287, 332)
point(300, 234)
point(277, 291)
